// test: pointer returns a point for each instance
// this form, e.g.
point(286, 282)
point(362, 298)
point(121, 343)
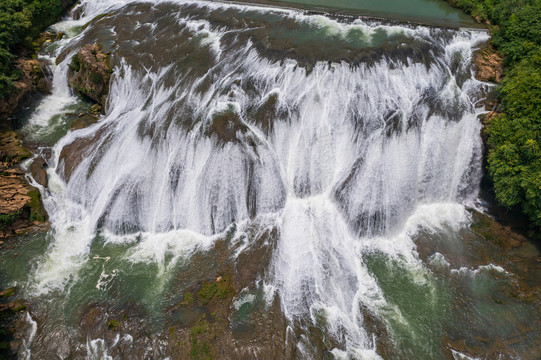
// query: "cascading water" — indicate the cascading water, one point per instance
point(344, 137)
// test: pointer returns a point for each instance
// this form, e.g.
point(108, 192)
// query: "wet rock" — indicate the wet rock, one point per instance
point(226, 125)
point(14, 306)
point(34, 78)
point(491, 230)
point(89, 73)
point(39, 172)
point(83, 121)
point(21, 210)
point(7, 293)
point(489, 65)
point(73, 154)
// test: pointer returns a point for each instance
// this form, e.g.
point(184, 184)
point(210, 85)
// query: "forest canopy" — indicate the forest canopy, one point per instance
point(21, 21)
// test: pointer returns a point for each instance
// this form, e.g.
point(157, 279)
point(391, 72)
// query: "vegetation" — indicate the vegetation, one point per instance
point(188, 299)
point(7, 219)
point(200, 333)
point(21, 22)
point(113, 324)
point(222, 289)
point(37, 213)
point(514, 157)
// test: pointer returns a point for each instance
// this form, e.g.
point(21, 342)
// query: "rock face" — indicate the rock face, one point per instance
point(489, 65)
point(89, 73)
point(33, 79)
point(21, 210)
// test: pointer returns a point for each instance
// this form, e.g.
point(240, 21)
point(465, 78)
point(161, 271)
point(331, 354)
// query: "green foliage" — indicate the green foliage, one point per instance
point(96, 78)
point(113, 324)
point(200, 333)
point(188, 299)
point(7, 219)
point(514, 157)
point(21, 21)
point(36, 209)
point(221, 289)
point(207, 292)
point(75, 64)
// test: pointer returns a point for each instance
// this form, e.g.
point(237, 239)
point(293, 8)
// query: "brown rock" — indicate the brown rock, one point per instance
point(73, 154)
point(7, 293)
point(489, 116)
point(89, 73)
point(489, 65)
point(38, 171)
point(83, 121)
point(20, 204)
point(498, 234)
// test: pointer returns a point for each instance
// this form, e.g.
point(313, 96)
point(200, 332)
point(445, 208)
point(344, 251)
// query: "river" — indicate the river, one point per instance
point(266, 183)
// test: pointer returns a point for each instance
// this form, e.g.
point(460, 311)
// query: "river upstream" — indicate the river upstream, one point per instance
point(267, 183)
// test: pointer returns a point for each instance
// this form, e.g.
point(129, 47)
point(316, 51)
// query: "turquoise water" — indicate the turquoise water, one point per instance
point(432, 12)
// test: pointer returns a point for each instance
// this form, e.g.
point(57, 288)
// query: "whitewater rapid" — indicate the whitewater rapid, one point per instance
point(345, 157)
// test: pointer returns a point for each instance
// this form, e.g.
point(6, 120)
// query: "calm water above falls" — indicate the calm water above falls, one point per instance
point(432, 12)
point(323, 165)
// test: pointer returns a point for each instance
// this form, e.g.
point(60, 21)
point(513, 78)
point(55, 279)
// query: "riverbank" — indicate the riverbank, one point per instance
point(513, 136)
point(23, 78)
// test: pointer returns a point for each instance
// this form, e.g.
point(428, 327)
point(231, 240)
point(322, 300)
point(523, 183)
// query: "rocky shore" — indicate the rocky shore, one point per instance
point(21, 210)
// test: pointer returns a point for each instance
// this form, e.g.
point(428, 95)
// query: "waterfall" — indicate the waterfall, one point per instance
point(348, 135)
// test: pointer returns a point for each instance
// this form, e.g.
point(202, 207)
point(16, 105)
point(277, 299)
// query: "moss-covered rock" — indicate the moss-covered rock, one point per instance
point(221, 289)
point(7, 293)
point(489, 65)
point(89, 73)
point(113, 324)
point(491, 230)
point(188, 299)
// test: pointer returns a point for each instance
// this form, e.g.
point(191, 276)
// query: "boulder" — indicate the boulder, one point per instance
point(489, 65)
point(89, 73)
point(38, 171)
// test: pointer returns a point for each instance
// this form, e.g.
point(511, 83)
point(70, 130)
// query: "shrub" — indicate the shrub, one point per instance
point(21, 21)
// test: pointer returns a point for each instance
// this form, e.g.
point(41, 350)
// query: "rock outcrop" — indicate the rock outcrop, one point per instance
point(21, 210)
point(89, 73)
point(33, 78)
point(489, 65)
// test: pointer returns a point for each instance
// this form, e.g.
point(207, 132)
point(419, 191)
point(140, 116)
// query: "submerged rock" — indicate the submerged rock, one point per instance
point(89, 73)
point(226, 124)
point(498, 234)
point(83, 121)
